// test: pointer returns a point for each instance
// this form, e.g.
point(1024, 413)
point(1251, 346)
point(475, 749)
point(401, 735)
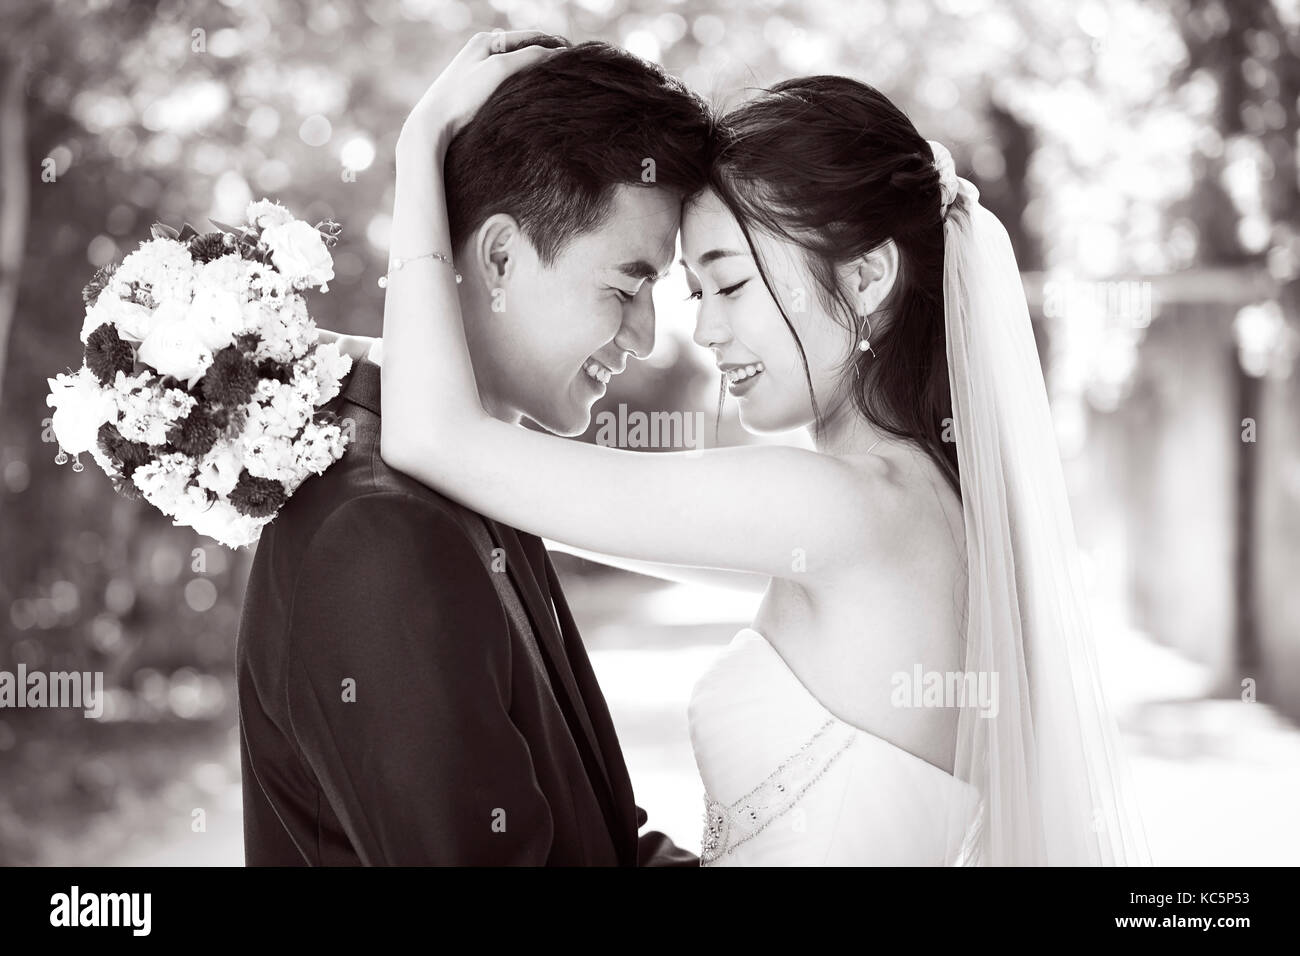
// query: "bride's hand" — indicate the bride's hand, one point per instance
point(466, 83)
point(356, 347)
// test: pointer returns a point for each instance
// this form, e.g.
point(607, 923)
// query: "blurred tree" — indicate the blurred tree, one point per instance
point(1245, 205)
point(14, 198)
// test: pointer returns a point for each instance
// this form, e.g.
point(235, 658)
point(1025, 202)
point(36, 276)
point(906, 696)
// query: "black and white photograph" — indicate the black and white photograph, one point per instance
point(642, 433)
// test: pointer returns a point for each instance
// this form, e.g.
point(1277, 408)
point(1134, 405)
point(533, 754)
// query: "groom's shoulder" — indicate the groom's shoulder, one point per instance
point(356, 494)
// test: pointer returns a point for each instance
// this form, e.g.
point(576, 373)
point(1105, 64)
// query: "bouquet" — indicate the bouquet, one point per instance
point(202, 380)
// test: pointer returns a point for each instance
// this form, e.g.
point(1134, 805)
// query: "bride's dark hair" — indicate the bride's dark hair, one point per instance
point(831, 165)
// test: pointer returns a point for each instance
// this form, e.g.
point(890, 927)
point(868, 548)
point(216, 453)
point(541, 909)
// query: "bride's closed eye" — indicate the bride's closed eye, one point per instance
point(697, 294)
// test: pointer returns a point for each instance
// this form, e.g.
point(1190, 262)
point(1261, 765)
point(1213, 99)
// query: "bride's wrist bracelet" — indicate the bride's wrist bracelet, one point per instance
point(398, 263)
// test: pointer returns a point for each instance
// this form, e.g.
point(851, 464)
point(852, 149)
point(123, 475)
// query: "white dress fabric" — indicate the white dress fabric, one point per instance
point(789, 784)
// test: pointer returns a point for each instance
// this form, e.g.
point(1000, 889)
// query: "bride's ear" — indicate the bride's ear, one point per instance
point(872, 277)
point(496, 247)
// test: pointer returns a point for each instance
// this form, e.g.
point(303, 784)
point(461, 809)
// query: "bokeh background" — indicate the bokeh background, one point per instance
point(1142, 154)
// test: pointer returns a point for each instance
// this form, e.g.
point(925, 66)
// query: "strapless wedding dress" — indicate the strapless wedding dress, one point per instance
point(789, 784)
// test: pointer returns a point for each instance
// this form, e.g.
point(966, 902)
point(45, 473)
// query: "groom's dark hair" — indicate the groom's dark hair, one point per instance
point(552, 142)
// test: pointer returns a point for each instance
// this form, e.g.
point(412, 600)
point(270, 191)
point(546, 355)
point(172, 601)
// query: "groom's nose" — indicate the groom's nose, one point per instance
point(637, 333)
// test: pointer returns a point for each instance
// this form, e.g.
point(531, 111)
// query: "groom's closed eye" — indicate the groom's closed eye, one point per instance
point(640, 269)
point(645, 274)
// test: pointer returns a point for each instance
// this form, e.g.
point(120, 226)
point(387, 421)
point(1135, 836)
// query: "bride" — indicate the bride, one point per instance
point(848, 283)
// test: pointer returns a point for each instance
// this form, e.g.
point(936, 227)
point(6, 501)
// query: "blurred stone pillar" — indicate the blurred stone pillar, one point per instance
point(1276, 579)
point(1183, 445)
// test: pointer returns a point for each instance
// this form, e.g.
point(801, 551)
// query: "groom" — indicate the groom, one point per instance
point(412, 687)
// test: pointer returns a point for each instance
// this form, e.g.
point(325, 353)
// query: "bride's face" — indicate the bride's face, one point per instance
point(739, 321)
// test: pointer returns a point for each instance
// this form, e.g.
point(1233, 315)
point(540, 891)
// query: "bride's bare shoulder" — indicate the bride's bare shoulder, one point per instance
point(912, 502)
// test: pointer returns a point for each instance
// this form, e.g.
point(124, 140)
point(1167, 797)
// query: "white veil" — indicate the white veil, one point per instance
point(1053, 785)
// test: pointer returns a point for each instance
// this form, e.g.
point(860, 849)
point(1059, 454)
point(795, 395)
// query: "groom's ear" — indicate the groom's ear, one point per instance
point(496, 248)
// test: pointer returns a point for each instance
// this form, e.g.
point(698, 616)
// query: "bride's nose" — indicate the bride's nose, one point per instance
point(710, 330)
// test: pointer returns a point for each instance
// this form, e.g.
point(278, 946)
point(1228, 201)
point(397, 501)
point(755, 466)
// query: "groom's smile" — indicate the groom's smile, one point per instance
point(568, 327)
point(600, 373)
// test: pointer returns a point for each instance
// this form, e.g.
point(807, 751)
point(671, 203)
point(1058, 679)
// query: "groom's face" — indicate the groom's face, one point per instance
point(554, 334)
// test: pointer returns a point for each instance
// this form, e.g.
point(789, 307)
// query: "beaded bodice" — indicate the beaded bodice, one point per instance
point(788, 783)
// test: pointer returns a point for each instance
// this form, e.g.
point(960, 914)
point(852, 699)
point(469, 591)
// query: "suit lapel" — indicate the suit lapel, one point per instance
point(595, 702)
point(533, 591)
point(561, 627)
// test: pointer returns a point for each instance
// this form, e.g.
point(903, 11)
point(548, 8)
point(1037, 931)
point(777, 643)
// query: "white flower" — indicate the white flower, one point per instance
point(219, 469)
point(174, 404)
point(132, 320)
point(219, 520)
point(80, 406)
point(164, 266)
point(189, 503)
point(274, 417)
point(319, 447)
point(265, 283)
point(285, 330)
point(175, 348)
point(265, 213)
point(267, 444)
point(163, 482)
point(231, 272)
point(330, 366)
point(145, 411)
point(299, 253)
point(216, 316)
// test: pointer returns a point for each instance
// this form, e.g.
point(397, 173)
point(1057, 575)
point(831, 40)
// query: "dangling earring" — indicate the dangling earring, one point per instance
point(864, 343)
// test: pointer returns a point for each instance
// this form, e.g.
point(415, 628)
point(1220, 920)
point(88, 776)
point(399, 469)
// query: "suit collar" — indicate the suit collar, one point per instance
point(362, 385)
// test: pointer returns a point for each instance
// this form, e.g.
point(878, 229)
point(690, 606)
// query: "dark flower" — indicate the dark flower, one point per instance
point(278, 371)
point(257, 497)
point(126, 455)
point(107, 354)
point(231, 379)
point(209, 246)
point(230, 420)
point(125, 487)
point(194, 435)
point(98, 283)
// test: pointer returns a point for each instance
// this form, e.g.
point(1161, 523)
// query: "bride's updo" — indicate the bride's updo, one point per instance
point(831, 165)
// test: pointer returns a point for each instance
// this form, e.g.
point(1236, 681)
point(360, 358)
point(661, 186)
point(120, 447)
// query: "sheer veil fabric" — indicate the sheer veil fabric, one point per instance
point(1054, 786)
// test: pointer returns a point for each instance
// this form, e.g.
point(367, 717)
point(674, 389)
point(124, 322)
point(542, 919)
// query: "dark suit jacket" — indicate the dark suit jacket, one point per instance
point(406, 693)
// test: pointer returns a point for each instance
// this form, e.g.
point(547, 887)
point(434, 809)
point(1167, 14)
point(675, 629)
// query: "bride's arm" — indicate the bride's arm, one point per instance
point(773, 511)
point(709, 577)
